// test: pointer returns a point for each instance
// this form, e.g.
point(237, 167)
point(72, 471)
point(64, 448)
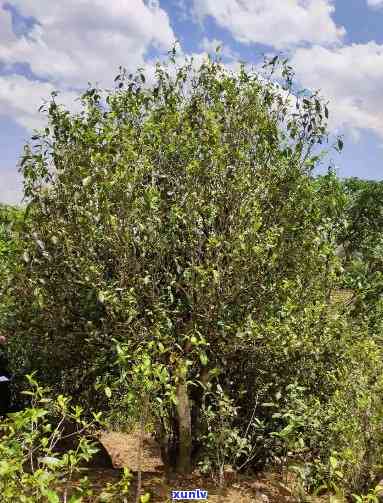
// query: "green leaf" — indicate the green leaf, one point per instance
point(333, 462)
point(86, 181)
point(273, 60)
point(75, 499)
point(203, 357)
point(51, 495)
point(50, 460)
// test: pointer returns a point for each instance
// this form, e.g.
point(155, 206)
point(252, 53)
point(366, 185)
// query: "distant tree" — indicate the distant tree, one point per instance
point(360, 242)
point(10, 219)
point(362, 236)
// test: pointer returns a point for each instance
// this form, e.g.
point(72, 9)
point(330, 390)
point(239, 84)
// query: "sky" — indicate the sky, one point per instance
point(334, 46)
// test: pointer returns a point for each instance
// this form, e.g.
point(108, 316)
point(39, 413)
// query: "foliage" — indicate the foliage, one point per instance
point(363, 231)
point(362, 248)
point(33, 470)
point(336, 444)
point(223, 443)
point(10, 221)
point(140, 386)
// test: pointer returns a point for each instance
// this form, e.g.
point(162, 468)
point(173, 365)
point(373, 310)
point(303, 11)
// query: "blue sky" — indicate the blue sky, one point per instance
point(334, 45)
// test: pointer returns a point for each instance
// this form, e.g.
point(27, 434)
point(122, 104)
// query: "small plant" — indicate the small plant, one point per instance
point(223, 443)
point(135, 394)
point(118, 491)
point(373, 496)
point(33, 469)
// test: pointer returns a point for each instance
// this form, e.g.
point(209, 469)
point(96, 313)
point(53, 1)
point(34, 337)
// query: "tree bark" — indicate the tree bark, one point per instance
point(184, 424)
point(140, 446)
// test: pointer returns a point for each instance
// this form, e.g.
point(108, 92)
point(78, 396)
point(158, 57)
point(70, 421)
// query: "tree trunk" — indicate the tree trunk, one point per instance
point(143, 415)
point(184, 424)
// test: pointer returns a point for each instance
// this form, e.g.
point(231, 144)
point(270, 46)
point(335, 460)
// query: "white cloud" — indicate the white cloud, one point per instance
point(76, 42)
point(11, 191)
point(351, 78)
point(79, 41)
point(20, 99)
point(6, 33)
point(375, 3)
point(209, 46)
point(182, 13)
point(280, 23)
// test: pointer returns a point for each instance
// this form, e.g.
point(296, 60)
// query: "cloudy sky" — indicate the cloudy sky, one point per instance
point(335, 46)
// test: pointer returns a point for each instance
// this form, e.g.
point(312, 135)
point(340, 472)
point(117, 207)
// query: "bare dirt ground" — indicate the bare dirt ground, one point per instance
point(263, 488)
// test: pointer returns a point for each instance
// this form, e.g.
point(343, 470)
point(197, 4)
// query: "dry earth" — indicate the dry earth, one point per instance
point(123, 448)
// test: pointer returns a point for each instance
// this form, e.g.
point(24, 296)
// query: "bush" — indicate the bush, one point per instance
point(178, 218)
point(334, 440)
point(33, 470)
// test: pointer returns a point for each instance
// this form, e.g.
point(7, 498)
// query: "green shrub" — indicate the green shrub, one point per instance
point(175, 218)
point(334, 441)
point(32, 470)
